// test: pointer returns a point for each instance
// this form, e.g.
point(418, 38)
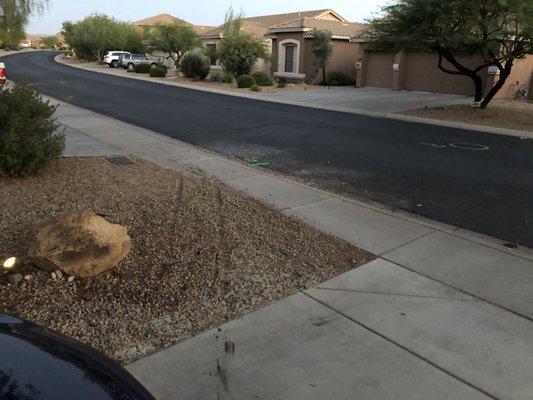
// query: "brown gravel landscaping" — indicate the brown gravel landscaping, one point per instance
point(510, 114)
point(202, 254)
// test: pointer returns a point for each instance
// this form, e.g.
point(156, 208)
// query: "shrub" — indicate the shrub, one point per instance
point(282, 82)
point(162, 66)
point(339, 79)
point(256, 88)
point(262, 79)
point(195, 65)
point(143, 68)
point(245, 81)
point(227, 77)
point(29, 137)
point(238, 51)
point(158, 72)
point(217, 76)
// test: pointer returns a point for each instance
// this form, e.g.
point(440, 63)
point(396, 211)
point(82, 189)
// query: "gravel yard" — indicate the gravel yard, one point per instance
point(202, 254)
point(510, 114)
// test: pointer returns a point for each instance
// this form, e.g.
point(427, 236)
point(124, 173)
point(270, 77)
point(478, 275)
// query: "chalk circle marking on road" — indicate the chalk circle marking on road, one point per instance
point(470, 146)
point(462, 146)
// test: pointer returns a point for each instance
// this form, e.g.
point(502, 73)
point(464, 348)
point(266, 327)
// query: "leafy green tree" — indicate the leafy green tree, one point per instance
point(175, 40)
point(14, 16)
point(238, 51)
point(500, 31)
point(322, 50)
point(96, 34)
point(50, 42)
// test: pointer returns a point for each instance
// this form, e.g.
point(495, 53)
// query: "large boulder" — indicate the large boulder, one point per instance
point(79, 243)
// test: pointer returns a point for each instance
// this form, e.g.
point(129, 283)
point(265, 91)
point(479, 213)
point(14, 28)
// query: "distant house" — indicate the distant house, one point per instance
point(145, 25)
point(289, 37)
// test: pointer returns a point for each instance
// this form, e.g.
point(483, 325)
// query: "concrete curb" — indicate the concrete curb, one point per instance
point(399, 117)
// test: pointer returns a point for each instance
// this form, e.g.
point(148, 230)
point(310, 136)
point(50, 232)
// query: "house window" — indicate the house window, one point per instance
point(212, 53)
point(289, 57)
point(290, 50)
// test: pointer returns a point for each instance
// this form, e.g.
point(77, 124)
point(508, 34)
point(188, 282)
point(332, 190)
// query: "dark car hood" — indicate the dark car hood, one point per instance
point(37, 364)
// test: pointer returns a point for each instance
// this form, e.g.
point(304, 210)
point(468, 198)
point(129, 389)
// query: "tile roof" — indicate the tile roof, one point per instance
point(258, 26)
point(337, 28)
point(161, 19)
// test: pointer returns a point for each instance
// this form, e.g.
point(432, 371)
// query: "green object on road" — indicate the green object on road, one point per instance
point(257, 163)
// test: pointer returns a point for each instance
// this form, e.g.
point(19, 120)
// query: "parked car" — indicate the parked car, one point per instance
point(129, 61)
point(112, 58)
point(37, 364)
point(3, 74)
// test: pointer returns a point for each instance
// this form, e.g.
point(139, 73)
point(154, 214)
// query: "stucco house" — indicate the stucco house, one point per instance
point(418, 71)
point(260, 27)
point(292, 47)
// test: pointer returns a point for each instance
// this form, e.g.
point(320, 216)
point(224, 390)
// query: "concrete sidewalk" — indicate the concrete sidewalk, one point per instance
point(442, 314)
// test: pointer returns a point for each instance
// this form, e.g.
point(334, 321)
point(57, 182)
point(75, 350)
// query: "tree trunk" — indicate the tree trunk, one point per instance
point(478, 83)
point(324, 76)
point(504, 74)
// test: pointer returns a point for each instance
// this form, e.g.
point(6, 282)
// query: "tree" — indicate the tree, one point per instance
point(96, 34)
point(499, 31)
point(50, 42)
point(322, 50)
point(238, 51)
point(14, 16)
point(176, 40)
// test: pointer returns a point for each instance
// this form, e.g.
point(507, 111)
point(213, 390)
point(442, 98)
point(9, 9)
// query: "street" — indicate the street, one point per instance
point(473, 180)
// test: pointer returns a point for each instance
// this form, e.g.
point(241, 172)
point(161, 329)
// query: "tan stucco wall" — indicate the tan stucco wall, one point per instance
point(419, 72)
point(521, 74)
point(342, 60)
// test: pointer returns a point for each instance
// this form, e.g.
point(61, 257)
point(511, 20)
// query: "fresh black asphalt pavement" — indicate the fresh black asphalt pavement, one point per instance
point(404, 165)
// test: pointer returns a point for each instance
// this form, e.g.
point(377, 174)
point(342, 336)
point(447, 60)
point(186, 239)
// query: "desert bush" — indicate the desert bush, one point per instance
point(262, 79)
point(282, 82)
point(157, 72)
point(143, 68)
point(29, 136)
point(245, 81)
point(335, 78)
point(256, 88)
point(238, 51)
point(195, 65)
point(96, 34)
point(227, 77)
point(216, 76)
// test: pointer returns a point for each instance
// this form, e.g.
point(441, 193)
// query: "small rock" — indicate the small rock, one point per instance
point(28, 277)
point(70, 279)
point(53, 275)
point(14, 278)
point(59, 274)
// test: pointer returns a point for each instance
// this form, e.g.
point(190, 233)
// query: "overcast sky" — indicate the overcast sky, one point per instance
point(200, 12)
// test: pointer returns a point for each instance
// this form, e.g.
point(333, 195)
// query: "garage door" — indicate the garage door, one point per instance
point(379, 69)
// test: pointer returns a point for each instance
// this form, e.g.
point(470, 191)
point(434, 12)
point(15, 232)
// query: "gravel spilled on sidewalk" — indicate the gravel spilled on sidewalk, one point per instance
point(202, 254)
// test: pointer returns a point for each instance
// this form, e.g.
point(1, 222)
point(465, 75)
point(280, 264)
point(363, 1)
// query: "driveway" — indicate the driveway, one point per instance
point(370, 99)
point(429, 170)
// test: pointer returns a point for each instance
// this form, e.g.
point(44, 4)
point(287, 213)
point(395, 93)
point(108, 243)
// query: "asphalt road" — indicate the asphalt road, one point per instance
point(404, 165)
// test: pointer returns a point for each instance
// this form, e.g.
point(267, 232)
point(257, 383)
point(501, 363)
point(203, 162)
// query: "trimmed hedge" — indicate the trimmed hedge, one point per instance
point(335, 78)
point(158, 72)
point(262, 79)
point(195, 65)
point(29, 137)
point(143, 68)
point(245, 81)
